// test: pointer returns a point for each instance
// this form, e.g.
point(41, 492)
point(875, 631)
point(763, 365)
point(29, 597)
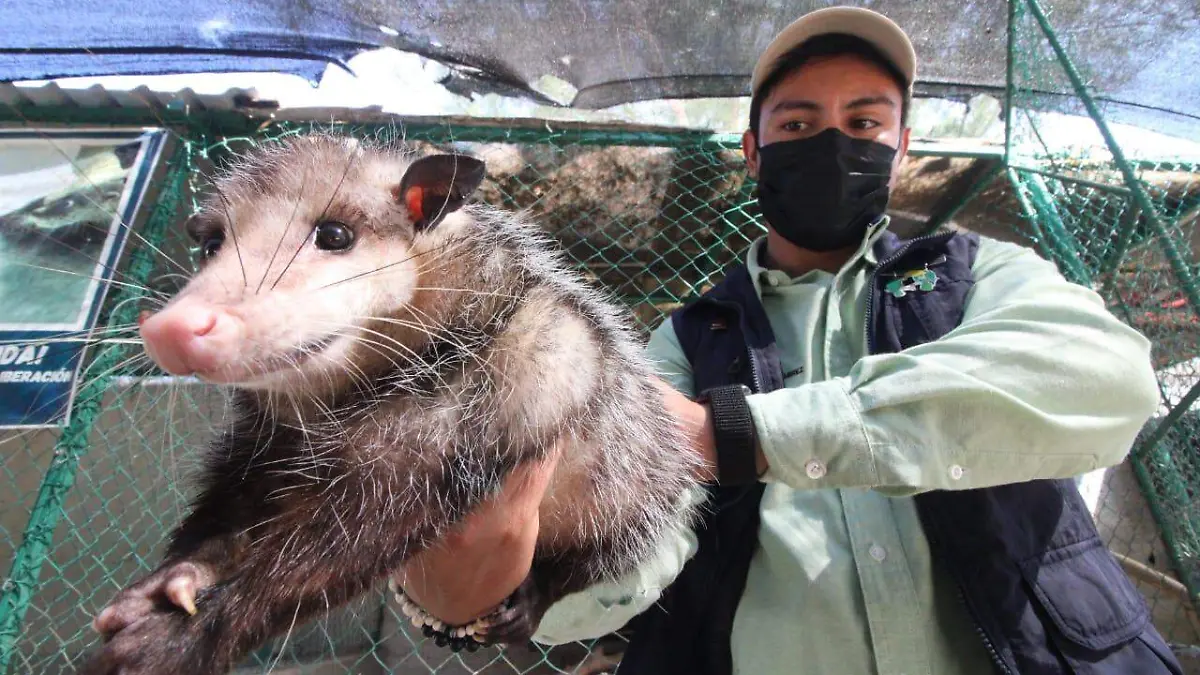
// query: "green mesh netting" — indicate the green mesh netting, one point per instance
point(655, 217)
point(1125, 225)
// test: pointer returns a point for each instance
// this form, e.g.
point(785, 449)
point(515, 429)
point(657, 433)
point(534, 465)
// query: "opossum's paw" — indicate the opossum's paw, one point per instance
point(517, 624)
point(156, 644)
point(170, 587)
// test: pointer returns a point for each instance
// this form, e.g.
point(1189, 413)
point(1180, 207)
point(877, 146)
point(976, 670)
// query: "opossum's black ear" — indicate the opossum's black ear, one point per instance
point(436, 185)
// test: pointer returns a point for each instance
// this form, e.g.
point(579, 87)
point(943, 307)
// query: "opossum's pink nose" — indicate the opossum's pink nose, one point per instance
point(192, 338)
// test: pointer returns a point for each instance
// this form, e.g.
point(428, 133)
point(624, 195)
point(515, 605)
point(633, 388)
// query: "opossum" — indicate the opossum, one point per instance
point(394, 350)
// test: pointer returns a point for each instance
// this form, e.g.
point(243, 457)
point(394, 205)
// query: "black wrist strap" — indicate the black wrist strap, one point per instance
point(733, 431)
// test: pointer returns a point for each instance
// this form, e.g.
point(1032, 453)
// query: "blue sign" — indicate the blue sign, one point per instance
point(67, 202)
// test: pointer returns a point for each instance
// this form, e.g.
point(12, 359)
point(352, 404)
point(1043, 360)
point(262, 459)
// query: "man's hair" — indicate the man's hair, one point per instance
point(830, 44)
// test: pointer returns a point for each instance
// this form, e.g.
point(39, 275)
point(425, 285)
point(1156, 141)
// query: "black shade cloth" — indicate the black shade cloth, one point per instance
point(1140, 53)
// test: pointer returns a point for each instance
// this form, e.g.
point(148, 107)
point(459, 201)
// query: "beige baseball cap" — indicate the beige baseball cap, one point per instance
point(871, 26)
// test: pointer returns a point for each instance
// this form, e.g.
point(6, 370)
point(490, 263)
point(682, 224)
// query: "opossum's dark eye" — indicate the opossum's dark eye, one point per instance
point(334, 236)
point(211, 244)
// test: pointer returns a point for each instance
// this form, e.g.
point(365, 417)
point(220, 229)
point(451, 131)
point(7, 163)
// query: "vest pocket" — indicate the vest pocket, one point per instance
point(1089, 600)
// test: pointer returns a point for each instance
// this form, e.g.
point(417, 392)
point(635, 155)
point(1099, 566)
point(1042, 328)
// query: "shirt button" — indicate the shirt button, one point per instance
point(877, 552)
point(814, 468)
point(956, 472)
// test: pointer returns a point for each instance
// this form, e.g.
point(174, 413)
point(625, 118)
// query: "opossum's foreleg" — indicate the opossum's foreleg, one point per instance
point(202, 551)
point(313, 551)
point(208, 544)
point(302, 565)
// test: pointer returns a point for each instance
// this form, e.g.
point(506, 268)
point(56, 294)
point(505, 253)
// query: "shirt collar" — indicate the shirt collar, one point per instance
point(761, 275)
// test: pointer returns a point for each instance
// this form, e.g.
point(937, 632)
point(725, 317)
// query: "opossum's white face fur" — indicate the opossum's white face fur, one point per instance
point(301, 246)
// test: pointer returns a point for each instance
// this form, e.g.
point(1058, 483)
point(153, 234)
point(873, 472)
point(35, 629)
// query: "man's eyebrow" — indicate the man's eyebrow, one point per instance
point(870, 100)
point(795, 104)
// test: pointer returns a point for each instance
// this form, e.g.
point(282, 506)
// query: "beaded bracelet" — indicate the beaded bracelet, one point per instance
point(468, 636)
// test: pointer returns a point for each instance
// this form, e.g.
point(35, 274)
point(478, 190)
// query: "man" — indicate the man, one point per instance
point(849, 455)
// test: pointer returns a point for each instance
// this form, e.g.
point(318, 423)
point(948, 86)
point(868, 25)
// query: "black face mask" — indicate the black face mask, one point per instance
point(822, 192)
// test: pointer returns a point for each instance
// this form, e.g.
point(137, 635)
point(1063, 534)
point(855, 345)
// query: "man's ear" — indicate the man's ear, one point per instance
point(437, 185)
point(750, 152)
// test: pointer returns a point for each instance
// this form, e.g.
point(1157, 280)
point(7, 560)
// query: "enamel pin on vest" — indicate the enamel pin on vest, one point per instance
point(922, 280)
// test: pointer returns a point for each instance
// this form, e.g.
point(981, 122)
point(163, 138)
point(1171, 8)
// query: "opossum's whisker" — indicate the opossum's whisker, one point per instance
point(388, 352)
point(80, 340)
point(86, 276)
point(139, 421)
point(79, 336)
point(172, 468)
point(446, 254)
point(332, 426)
point(173, 275)
point(129, 362)
point(424, 367)
point(378, 269)
point(359, 380)
point(390, 339)
point(147, 300)
point(284, 231)
point(116, 327)
point(236, 247)
point(367, 387)
point(472, 291)
point(336, 189)
point(363, 385)
point(444, 334)
point(85, 255)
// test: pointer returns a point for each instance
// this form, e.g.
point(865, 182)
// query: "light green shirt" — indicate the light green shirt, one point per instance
point(1038, 381)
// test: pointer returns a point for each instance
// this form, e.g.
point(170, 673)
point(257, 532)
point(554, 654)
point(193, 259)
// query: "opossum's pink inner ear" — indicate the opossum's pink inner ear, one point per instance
point(437, 185)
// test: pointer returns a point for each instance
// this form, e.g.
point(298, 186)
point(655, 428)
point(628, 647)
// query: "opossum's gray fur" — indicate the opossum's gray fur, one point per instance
point(642, 465)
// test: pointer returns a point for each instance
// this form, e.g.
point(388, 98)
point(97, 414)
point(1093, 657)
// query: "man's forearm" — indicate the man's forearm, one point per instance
point(1039, 381)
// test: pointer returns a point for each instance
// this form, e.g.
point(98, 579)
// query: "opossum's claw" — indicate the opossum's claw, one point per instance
point(174, 585)
point(181, 590)
point(518, 623)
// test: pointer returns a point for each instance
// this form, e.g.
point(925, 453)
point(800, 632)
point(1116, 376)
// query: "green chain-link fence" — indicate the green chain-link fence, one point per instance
point(655, 216)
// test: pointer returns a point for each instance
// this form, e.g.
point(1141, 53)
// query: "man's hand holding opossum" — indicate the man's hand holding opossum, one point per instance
point(486, 558)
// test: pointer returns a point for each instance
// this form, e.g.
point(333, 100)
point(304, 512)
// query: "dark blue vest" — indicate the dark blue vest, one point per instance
point(1046, 596)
